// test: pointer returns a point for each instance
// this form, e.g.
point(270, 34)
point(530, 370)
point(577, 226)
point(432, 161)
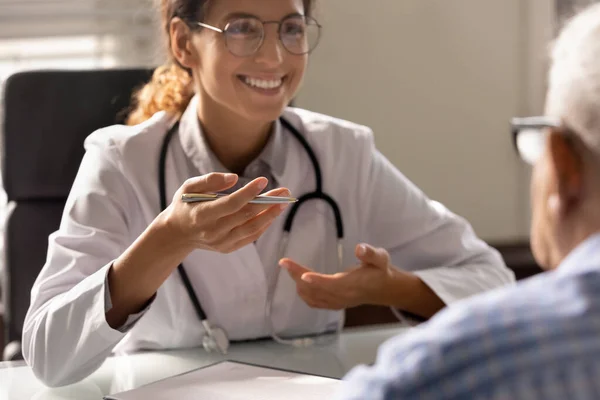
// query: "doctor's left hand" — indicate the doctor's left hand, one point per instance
point(362, 284)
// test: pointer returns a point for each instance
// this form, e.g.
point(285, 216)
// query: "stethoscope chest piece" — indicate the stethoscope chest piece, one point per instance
point(215, 339)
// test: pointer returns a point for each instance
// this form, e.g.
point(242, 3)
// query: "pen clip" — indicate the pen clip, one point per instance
point(198, 196)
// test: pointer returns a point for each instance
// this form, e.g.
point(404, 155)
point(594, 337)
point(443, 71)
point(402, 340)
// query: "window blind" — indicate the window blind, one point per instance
point(77, 34)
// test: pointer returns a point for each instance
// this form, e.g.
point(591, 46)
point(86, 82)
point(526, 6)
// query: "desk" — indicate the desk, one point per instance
point(124, 372)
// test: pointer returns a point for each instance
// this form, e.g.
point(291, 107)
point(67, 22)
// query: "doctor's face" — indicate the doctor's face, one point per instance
point(249, 69)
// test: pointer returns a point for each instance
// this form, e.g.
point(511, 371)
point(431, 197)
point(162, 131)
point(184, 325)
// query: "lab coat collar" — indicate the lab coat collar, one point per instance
point(198, 151)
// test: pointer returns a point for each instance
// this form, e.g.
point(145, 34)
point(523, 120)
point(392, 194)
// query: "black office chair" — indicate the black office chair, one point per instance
point(46, 117)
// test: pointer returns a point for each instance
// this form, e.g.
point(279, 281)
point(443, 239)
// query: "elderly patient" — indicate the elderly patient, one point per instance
point(539, 339)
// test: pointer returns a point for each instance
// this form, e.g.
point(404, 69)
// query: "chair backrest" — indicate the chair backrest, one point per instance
point(46, 117)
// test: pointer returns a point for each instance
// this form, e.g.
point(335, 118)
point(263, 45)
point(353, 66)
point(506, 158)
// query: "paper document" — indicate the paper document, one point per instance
point(229, 380)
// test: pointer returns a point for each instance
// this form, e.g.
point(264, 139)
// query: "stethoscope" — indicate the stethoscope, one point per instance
point(215, 338)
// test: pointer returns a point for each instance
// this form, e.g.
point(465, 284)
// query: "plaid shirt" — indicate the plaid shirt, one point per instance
point(539, 339)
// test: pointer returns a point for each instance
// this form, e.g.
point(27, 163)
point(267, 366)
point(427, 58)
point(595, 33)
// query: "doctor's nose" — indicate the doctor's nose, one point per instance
point(271, 52)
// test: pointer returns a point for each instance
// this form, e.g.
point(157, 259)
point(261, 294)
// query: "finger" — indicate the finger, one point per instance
point(335, 290)
point(246, 241)
point(329, 286)
point(294, 269)
point(321, 281)
point(229, 247)
point(249, 211)
point(261, 221)
point(229, 222)
point(376, 257)
point(213, 182)
point(238, 199)
point(316, 294)
point(283, 192)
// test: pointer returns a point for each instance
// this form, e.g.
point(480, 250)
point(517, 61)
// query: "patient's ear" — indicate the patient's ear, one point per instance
point(567, 167)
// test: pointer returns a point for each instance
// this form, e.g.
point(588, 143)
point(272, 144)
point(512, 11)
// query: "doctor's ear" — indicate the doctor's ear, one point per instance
point(567, 164)
point(181, 43)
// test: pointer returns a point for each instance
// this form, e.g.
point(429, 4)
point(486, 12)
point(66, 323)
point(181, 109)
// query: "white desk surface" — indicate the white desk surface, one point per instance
point(355, 346)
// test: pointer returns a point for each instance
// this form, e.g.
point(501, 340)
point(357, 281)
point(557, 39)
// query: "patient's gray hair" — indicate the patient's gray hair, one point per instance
point(574, 78)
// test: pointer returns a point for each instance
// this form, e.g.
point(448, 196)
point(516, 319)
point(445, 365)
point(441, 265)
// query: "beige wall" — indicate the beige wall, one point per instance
point(437, 81)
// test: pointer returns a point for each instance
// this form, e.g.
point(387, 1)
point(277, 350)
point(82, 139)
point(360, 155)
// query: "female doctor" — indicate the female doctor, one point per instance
point(215, 120)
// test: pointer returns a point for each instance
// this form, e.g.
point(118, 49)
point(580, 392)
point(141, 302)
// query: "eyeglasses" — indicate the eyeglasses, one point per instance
point(530, 134)
point(299, 34)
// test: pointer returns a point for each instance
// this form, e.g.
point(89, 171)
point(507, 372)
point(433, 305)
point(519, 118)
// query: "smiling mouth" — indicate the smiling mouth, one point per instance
point(262, 84)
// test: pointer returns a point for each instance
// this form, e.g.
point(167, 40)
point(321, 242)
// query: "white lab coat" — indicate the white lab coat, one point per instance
point(115, 196)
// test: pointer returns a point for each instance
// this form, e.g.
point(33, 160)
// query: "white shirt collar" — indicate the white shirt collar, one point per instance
point(585, 255)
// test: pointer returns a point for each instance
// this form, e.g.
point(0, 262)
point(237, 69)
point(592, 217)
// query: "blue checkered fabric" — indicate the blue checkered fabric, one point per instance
point(539, 339)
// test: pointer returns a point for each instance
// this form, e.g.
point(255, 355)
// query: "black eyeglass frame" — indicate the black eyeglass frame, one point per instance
point(518, 125)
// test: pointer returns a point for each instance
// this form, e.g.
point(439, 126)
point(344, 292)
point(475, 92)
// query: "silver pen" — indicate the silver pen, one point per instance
point(201, 197)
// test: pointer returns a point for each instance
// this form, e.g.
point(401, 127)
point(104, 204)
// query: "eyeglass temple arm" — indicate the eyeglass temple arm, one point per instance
point(210, 27)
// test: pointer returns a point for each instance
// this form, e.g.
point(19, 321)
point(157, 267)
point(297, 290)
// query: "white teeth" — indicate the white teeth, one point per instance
point(263, 84)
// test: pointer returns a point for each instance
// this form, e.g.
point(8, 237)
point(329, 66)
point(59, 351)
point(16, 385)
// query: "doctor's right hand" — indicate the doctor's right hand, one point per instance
point(226, 224)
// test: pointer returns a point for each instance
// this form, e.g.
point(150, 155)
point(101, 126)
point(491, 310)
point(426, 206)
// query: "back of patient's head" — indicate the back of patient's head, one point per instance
point(566, 180)
point(574, 79)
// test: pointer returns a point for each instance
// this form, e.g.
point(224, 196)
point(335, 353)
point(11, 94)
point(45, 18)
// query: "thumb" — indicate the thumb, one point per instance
point(370, 255)
point(209, 183)
point(294, 269)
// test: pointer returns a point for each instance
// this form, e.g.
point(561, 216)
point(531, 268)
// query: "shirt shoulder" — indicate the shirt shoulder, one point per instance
point(129, 139)
point(506, 320)
point(500, 338)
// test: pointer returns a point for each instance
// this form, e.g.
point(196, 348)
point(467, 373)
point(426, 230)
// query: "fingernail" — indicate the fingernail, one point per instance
point(283, 264)
point(306, 278)
point(230, 178)
point(362, 250)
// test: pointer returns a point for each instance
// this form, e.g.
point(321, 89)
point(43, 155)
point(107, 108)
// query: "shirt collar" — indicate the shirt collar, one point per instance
point(585, 256)
point(196, 148)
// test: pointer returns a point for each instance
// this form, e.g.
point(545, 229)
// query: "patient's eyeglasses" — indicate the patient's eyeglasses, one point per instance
point(298, 34)
point(530, 135)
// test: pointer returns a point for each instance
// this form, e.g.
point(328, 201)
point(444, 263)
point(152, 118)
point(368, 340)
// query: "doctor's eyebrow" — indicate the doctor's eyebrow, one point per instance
point(235, 15)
